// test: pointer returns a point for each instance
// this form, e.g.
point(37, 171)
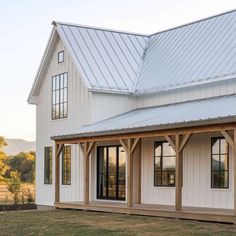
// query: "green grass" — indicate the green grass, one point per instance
point(70, 222)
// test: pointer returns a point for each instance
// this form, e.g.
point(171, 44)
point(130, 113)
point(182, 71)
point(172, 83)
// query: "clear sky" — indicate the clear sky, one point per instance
point(25, 26)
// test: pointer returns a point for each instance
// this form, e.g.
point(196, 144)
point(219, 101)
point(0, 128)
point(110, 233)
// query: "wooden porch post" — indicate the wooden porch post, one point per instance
point(59, 148)
point(86, 149)
point(234, 150)
point(178, 187)
point(129, 145)
point(178, 146)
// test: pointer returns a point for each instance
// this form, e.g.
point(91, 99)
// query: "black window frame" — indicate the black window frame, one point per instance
point(65, 172)
point(117, 174)
point(58, 56)
point(60, 107)
point(161, 165)
point(219, 171)
point(48, 165)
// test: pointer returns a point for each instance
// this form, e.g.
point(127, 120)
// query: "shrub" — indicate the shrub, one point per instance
point(14, 185)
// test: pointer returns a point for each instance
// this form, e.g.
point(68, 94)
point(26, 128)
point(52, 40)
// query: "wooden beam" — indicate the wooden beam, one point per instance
point(86, 149)
point(170, 141)
point(134, 145)
point(139, 172)
point(124, 145)
point(152, 133)
point(234, 184)
point(178, 185)
point(58, 150)
point(228, 138)
point(90, 148)
point(129, 175)
point(184, 141)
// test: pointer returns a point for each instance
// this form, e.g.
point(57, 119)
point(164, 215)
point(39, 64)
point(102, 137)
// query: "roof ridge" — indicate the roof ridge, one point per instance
point(100, 28)
point(194, 22)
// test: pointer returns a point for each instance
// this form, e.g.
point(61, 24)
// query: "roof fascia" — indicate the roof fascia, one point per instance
point(51, 44)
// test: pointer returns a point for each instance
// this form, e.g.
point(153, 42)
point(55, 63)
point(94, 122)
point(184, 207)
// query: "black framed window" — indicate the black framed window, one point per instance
point(164, 164)
point(48, 165)
point(60, 57)
point(66, 165)
point(219, 163)
point(60, 96)
point(111, 173)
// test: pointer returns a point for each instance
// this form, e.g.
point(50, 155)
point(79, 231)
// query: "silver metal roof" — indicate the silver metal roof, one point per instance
point(212, 110)
point(107, 59)
point(200, 52)
point(195, 53)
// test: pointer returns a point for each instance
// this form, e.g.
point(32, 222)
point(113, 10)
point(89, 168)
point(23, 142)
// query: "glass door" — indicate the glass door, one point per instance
point(111, 168)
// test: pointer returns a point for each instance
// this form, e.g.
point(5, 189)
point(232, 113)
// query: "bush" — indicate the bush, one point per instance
point(14, 185)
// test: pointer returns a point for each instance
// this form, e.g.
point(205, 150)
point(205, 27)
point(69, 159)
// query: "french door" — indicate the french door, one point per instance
point(111, 167)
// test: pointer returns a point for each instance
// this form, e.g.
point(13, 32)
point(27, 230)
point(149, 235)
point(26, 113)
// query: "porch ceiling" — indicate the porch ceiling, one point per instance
point(216, 110)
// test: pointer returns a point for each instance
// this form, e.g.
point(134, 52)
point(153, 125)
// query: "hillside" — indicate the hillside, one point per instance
point(18, 145)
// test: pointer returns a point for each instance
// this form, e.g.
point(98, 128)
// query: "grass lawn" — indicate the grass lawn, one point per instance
point(70, 222)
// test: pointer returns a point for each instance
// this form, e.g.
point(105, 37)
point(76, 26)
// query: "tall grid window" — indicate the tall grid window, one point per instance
point(164, 164)
point(60, 96)
point(66, 165)
point(48, 165)
point(219, 163)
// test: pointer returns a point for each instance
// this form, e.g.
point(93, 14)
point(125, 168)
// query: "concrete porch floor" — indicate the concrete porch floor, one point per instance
point(191, 213)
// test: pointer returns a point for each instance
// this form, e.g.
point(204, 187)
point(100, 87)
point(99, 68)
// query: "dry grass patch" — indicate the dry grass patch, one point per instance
point(71, 222)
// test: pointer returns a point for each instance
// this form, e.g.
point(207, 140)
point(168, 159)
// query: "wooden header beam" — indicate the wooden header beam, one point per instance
point(155, 133)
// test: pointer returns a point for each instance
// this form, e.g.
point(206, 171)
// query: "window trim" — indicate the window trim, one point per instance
point(59, 62)
point(67, 98)
point(219, 171)
point(50, 169)
point(62, 166)
point(117, 198)
point(162, 186)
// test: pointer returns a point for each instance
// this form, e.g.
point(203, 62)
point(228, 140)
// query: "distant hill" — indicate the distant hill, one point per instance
point(16, 146)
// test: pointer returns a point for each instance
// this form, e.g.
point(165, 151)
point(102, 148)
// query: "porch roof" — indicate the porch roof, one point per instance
point(215, 110)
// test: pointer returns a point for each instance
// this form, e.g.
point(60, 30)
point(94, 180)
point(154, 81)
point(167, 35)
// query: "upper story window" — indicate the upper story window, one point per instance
point(219, 163)
point(60, 96)
point(60, 57)
point(66, 165)
point(164, 164)
point(48, 165)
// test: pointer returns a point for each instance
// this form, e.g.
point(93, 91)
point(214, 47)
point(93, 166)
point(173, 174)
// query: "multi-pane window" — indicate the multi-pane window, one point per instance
point(48, 165)
point(60, 96)
point(219, 163)
point(60, 57)
point(164, 164)
point(66, 165)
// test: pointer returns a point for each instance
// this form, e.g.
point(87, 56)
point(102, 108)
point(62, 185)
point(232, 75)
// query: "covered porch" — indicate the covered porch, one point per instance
point(130, 131)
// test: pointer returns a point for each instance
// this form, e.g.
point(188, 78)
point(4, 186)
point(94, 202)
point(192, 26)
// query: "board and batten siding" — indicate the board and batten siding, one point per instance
point(221, 88)
point(197, 189)
point(78, 114)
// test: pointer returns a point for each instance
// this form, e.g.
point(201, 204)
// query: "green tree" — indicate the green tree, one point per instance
point(3, 159)
point(24, 164)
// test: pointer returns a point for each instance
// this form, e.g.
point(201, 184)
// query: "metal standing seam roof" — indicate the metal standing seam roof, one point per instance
point(200, 52)
point(166, 116)
point(107, 60)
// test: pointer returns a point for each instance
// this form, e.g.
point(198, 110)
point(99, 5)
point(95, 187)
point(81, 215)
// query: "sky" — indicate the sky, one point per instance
point(25, 26)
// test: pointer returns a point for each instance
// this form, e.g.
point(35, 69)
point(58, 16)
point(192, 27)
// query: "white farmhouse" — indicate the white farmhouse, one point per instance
point(139, 124)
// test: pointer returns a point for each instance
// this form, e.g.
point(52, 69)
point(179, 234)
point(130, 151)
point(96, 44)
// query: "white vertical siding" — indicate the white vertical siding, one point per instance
point(192, 93)
point(78, 114)
point(105, 105)
point(197, 189)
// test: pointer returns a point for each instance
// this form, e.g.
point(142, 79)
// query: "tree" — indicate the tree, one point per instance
point(24, 164)
point(3, 159)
